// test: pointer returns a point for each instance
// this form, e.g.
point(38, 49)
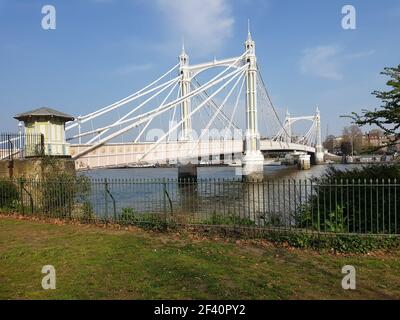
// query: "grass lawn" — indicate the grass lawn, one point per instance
point(98, 263)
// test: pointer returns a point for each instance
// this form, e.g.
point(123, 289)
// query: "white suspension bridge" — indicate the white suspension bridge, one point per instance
point(182, 118)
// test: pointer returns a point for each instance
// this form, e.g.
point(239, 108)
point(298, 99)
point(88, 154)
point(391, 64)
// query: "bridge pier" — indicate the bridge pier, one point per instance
point(187, 171)
point(319, 156)
point(304, 162)
point(253, 166)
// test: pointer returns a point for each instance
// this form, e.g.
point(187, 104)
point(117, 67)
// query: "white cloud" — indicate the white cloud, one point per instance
point(322, 61)
point(327, 62)
point(128, 69)
point(204, 24)
point(360, 54)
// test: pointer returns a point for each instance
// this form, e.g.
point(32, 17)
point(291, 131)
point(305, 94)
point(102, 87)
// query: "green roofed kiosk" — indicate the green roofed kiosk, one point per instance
point(51, 124)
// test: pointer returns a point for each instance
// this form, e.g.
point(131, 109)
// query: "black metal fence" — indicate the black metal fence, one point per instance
point(20, 145)
point(345, 206)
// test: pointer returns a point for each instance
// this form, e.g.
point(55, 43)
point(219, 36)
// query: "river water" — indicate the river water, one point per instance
point(218, 191)
point(270, 172)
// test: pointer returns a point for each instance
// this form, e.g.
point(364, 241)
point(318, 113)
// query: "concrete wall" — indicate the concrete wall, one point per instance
point(35, 168)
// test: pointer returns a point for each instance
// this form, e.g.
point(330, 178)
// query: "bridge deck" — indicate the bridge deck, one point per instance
point(125, 154)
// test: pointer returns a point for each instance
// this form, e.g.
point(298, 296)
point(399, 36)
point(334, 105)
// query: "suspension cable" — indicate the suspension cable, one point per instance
point(138, 107)
point(144, 117)
point(121, 102)
point(222, 105)
point(217, 79)
point(162, 103)
point(235, 75)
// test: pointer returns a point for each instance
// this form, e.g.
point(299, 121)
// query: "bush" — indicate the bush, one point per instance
point(358, 200)
point(336, 243)
point(147, 221)
point(9, 195)
point(128, 216)
point(60, 193)
point(372, 171)
point(228, 220)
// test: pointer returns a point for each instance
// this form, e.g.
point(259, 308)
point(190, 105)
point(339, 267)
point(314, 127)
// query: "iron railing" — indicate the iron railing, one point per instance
point(345, 206)
point(20, 145)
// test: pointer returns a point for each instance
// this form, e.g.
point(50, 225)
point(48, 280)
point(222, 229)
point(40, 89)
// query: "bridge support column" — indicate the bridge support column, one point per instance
point(187, 171)
point(253, 161)
point(319, 156)
point(304, 162)
point(319, 149)
point(288, 128)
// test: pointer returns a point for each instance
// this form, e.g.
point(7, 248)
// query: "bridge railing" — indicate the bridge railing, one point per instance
point(20, 145)
point(337, 207)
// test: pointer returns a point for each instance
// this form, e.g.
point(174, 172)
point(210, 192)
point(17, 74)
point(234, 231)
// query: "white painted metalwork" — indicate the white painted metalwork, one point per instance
point(193, 99)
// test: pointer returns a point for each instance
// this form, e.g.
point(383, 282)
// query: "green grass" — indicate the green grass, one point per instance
point(96, 263)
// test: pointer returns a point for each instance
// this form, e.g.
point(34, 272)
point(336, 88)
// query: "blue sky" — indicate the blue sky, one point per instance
point(102, 50)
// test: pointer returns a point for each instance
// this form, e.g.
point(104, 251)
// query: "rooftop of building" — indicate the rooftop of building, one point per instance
point(43, 112)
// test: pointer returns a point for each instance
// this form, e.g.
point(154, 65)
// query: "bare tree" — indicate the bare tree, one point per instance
point(329, 143)
point(352, 142)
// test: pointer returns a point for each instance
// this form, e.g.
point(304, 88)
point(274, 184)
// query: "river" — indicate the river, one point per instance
point(270, 172)
point(143, 192)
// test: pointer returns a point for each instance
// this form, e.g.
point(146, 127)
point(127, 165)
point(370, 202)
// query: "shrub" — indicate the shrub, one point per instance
point(358, 200)
point(228, 220)
point(147, 221)
point(9, 194)
point(60, 193)
point(337, 243)
point(127, 216)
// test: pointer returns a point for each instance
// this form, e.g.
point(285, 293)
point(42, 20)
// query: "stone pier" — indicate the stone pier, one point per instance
point(304, 162)
point(187, 171)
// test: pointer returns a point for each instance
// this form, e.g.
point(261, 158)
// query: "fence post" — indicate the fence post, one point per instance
point(10, 147)
point(165, 198)
point(105, 197)
point(42, 150)
point(318, 208)
point(21, 193)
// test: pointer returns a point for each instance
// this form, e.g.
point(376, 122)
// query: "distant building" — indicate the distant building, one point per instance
point(370, 140)
point(374, 139)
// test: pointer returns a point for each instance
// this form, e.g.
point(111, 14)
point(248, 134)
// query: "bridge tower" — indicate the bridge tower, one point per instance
point(188, 170)
point(319, 150)
point(184, 90)
point(253, 161)
point(288, 128)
